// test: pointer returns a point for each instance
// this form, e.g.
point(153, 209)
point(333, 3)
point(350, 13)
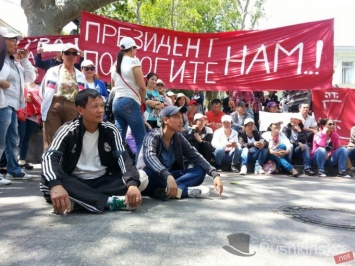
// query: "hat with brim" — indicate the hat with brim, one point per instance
point(192, 102)
point(170, 93)
point(86, 63)
point(171, 110)
point(271, 104)
point(248, 120)
point(159, 81)
point(297, 116)
point(241, 104)
point(127, 43)
point(276, 122)
point(69, 46)
point(199, 116)
point(226, 118)
point(180, 94)
point(7, 33)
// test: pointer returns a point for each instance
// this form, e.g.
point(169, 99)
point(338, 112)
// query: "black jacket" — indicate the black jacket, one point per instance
point(64, 152)
point(243, 139)
point(302, 136)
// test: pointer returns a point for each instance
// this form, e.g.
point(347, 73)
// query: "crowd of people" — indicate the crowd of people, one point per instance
point(105, 149)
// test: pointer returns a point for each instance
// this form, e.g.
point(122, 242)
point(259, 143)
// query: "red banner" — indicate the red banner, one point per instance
point(337, 104)
point(288, 58)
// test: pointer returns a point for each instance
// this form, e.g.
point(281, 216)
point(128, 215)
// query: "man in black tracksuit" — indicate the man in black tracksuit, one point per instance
point(87, 164)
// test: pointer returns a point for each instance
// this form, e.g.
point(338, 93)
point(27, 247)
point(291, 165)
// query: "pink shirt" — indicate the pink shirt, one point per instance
point(320, 140)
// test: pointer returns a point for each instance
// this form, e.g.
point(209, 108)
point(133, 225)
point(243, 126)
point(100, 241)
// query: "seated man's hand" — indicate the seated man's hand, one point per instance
point(60, 199)
point(133, 197)
point(172, 186)
point(217, 183)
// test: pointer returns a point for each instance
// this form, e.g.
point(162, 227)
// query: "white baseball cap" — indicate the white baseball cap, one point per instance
point(7, 33)
point(159, 81)
point(297, 116)
point(127, 42)
point(226, 118)
point(87, 63)
point(69, 46)
point(170, 93)
point(248, 120)
point(199, 116)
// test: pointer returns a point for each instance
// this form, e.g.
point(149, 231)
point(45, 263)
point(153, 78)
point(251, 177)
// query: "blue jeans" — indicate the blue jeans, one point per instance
point(127, 112)
point(306, 155)
point(25, 131)
point(248, 157)
point(9, 138)
point(184, 178)
point(351, 155)
point(232, 157)
point(339, 157)
point(281, 161)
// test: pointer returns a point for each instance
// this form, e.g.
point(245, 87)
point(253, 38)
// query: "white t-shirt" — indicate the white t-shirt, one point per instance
point(89, 165)
point(282, 140)
point(91, 85)
point(122, 90)
point(310, 122)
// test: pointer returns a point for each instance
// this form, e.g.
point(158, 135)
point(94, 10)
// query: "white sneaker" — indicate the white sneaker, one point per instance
point(20, 176)
point(4, 181)
point(198, 192)
point(261, 171)
point(243, 170)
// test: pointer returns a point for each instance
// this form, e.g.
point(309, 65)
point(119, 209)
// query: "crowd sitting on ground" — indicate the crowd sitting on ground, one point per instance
point(172, 139)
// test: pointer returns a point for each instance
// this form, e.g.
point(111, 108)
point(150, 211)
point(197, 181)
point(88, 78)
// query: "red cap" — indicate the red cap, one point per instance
point(193, 102)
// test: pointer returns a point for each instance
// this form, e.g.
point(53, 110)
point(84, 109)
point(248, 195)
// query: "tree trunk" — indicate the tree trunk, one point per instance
point(45, 17)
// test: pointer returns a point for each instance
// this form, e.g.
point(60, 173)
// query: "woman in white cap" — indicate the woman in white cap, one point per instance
point(13, 77)
point(92, 78)
point(279, 147)
point(130, 91)
point(59, 88)
point(295, 132)
point(160, 87)
point(227, 147)
point(254, 147)
point(201, 136)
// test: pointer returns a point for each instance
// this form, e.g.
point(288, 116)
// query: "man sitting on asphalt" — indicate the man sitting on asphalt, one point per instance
point(162, 158)
point(87, 164)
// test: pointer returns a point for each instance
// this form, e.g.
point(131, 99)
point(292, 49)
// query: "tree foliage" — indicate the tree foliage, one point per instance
point(50, 16)
point(192, 16)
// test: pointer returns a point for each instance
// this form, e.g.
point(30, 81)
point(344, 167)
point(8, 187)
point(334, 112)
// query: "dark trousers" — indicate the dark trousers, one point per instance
point(256, 120)
point(92, 194)
point(204, 148)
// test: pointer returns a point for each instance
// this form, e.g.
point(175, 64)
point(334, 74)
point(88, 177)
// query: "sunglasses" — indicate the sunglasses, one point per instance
point(68, 53)
point(89, 68)
point(330, 124)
